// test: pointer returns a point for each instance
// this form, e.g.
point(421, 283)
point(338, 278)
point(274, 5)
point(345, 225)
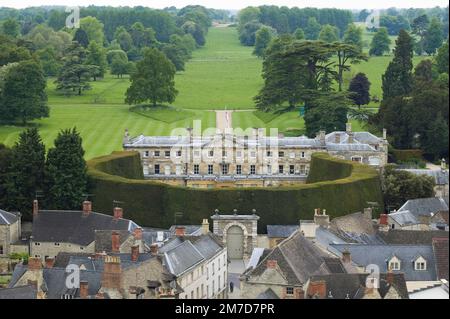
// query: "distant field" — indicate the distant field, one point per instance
point(222, 75)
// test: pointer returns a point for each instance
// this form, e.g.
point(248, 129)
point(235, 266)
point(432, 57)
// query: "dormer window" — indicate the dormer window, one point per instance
point(420, 263)
point(394, 263)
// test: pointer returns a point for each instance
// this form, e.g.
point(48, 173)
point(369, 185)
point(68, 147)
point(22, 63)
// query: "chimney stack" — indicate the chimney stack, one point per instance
point(135, 253)
point(112, 273)
point(154, 249)
point(350, 137)
point(34, 263)
point(205, 226)
point(346, 257)
point(35, 208)
point(299, 293)
point(368, 213)
point(322, 136)
point(443, 165)
point(317, 289)
point(137, 233)
point(321, 219)
point(271, 264)
point(115, 242)
point(49, 262)
point(384, 134)
point(87, 207)
point(180, 231)
point(118, 213)
point(84, 289)
point(383, 219)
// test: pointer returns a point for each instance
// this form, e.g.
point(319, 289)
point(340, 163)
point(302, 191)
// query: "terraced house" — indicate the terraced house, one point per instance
point(257, 160)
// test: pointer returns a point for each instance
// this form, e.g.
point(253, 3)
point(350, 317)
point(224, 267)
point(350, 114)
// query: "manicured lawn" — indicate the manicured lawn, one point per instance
point(101, 126)
point(166, 114)
point(223, 74)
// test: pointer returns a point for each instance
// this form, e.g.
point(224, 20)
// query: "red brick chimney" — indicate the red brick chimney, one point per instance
point(118, 213)
point(34, 263)
point(180, 231)
point(271, 264)
point(115, 242)
point(137, 233)
point(134, 253)
point(112, 273)
point(346, 257)
point(317, 289)
point(35, 208)
point(49, 262)
point(84, 289)
point(154, 249)
point(383, 219)
point(87, 208)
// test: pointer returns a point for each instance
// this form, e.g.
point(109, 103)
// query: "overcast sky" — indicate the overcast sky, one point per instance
point(234, 4)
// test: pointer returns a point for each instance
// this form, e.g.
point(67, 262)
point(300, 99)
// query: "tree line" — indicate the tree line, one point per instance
point(58, 178)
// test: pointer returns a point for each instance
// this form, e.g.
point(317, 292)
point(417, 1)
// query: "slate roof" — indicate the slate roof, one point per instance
point(268, 294)
point(411, 237)
point(22, 292)
point(440, 176)
point(190, 230)
point(361, 141)
point(151, 235)
point(183, 253)
point(103, 240)
point(424, 206)
point(440, 249)
point(354, 228)
point(297, 258)
point(73, 227)
point(280, 231)
point(351, 286)
point(364, 255)
point(7, 218)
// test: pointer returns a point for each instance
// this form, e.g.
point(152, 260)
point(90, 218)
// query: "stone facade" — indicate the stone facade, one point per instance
point(231, 160)
point(10, 233)
point(247, 223)
point(45, 250)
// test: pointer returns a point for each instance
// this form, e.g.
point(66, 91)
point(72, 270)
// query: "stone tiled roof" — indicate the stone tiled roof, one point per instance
point(280, 231)
point(411, 237)
point(364, 255)
point(74, 227)
point(297, 258)
point(103, 240)
point(7, 218)
point(440, 249)
point(22, 292)
point(440, 176)
point(268, 294)
point(351, 286)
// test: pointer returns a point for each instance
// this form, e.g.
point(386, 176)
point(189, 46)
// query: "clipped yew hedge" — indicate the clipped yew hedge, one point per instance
point(339, 186)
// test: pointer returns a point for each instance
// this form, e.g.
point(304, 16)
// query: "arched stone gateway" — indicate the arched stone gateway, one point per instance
point(238, 233)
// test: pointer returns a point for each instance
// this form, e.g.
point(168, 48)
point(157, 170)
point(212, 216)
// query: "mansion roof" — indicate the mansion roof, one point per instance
point(362, 141)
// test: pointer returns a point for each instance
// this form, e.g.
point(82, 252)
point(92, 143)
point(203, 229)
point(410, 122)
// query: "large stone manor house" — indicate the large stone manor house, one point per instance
point(256, 160)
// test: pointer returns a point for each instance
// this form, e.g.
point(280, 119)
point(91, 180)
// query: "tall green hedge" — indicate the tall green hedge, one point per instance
point(348, 189)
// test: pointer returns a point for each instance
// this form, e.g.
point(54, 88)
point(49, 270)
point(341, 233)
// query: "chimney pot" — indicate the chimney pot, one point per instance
point(87, 207)
point(346, 257)
point(35, 208)
point(84, 289)
point(384, 134)
point(205, 226)
point(180, 231)
point(115, 242)
point(135, 253)
point(49, 262)
point(118, 213)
